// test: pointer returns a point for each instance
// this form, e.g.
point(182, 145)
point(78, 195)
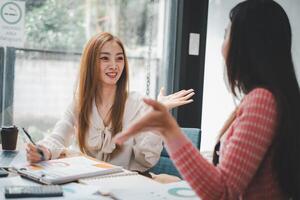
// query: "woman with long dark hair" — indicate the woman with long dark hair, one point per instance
point(259, 144)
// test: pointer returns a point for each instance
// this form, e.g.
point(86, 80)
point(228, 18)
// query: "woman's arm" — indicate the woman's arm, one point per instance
point(247, 147)
point(62, 134)
point(148, 145)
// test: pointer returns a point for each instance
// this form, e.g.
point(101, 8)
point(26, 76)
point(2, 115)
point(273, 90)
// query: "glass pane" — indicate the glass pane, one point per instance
point(43, 88)
point(56, 32)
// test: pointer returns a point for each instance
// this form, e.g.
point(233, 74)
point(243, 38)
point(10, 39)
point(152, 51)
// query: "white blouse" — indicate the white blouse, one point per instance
point(138, 153)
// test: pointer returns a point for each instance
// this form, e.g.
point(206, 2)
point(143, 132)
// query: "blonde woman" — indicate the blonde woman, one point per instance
point(102, 107)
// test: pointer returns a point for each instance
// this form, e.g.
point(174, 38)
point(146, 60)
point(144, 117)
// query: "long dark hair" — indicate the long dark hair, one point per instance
point(260, 55)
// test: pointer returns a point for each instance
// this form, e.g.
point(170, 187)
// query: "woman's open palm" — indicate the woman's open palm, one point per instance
point(176, 99)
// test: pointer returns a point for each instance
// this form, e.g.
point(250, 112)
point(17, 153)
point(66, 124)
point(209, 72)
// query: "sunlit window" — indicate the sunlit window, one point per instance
point(56, 31)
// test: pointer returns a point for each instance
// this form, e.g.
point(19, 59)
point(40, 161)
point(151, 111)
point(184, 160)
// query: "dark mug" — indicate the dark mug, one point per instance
point(9, 136)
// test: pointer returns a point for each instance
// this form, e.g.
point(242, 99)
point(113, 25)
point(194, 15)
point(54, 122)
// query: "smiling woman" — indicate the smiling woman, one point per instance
point(111, 63)
point(102, 107)
point(111, 66)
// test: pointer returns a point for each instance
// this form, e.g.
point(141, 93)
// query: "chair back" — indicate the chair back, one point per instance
point(165, 164)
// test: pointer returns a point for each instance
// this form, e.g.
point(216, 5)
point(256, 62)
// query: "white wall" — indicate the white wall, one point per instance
point(292, 8)
point(217, 101)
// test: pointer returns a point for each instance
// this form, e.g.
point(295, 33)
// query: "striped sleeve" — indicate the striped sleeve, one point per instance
point(253, 132)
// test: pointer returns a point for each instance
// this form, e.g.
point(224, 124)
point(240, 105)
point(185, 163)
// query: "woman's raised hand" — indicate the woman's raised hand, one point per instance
point(176, 99)
point(158, 120)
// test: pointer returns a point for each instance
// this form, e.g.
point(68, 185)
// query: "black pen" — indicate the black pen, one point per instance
point(31, 140)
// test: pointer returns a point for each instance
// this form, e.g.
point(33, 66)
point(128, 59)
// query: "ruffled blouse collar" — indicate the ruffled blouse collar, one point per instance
point(100, 136)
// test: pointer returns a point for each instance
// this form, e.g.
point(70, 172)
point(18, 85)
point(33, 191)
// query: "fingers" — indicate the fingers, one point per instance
point(46, 152)
point(182, 93)
point(162, 91)
point(186, 98)
point(33, 157)
point(120, 138)
point(151, 121)
point(155, 104)
point(180, 103)
point(157, 120)
point(30, 147)
point(32, 153)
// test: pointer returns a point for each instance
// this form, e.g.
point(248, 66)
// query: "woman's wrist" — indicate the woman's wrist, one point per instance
point(175, 142)
point(173, 136)
point(172, 132)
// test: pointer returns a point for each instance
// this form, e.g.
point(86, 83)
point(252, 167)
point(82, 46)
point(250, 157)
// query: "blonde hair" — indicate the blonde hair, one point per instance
point(88, 86)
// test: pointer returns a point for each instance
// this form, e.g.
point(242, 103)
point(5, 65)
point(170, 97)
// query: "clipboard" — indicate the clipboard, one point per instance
point(66, 170)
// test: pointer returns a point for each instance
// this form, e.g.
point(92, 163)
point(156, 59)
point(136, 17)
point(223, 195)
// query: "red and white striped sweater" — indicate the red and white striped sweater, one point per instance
point(244, 170)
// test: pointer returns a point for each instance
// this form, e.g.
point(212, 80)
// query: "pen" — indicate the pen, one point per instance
point(31, 140)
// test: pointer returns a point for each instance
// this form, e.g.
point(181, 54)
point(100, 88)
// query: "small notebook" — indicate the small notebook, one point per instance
point(67, 169)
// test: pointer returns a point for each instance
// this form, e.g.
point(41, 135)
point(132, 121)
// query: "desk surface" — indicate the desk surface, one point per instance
point(76, 190)
point(135, 187)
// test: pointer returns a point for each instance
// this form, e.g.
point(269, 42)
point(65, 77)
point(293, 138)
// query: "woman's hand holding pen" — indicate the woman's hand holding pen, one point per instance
point(33, 154)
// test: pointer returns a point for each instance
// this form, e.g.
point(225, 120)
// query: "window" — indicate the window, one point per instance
point(45, 70)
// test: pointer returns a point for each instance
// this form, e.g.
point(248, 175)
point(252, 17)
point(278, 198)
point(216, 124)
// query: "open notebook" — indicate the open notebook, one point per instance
point(66, 170)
